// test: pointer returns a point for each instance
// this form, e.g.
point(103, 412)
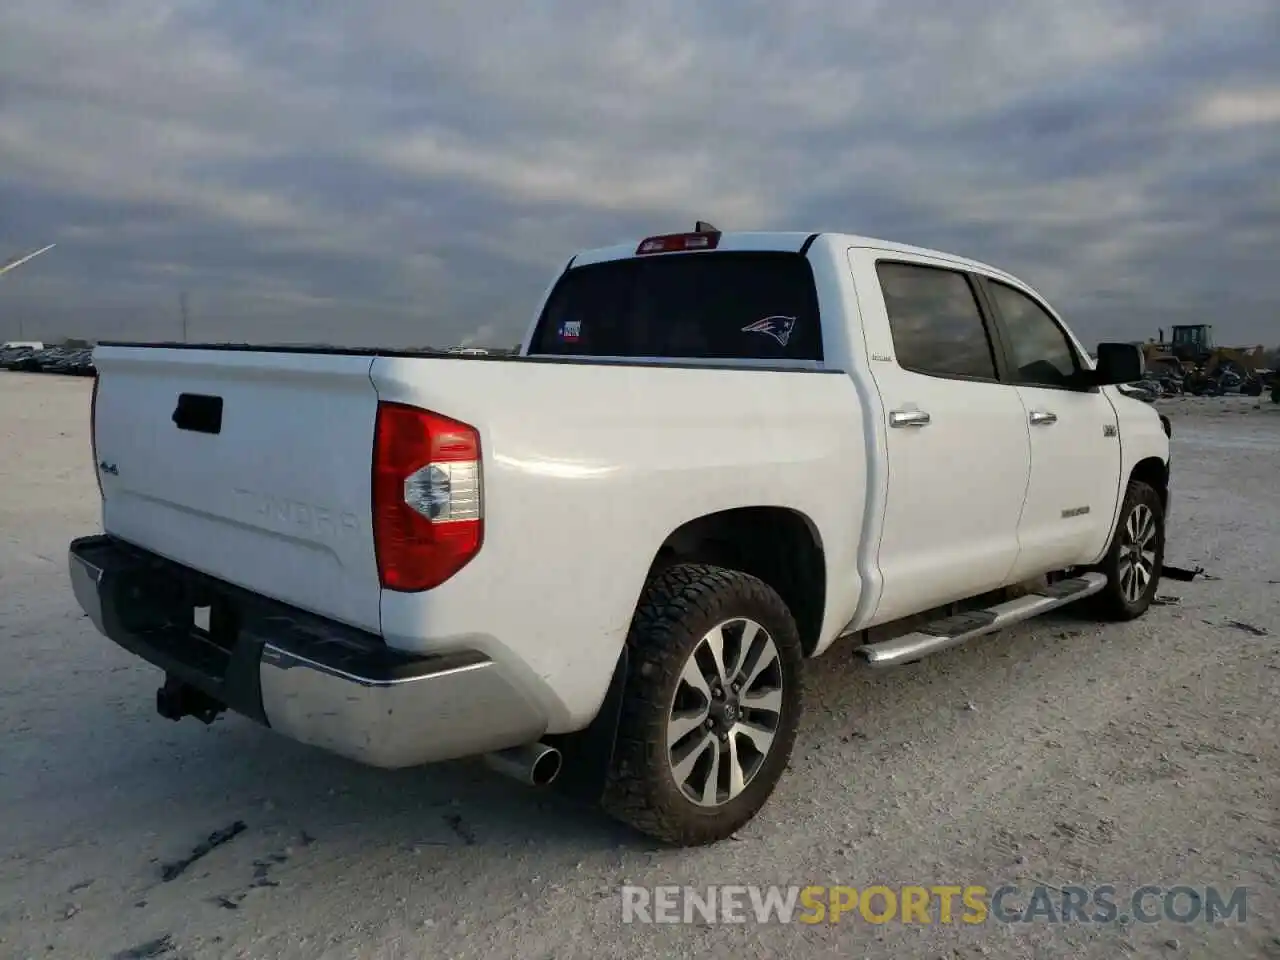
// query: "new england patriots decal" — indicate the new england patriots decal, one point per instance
point(778, 327)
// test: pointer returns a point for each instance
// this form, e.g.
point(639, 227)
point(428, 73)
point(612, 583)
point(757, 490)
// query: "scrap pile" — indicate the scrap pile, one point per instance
point(1190, 363)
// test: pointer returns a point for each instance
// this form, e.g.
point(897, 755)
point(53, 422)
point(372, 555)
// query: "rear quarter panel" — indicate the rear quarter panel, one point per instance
point(588, 468)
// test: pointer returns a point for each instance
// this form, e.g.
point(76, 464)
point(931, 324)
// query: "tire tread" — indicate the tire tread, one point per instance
point(1109, 604)
point(657, 642)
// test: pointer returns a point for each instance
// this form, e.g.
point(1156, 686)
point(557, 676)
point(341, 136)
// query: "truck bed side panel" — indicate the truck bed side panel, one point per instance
point(589, 467)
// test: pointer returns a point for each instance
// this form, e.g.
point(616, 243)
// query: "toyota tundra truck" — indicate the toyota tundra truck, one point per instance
point(603, 563)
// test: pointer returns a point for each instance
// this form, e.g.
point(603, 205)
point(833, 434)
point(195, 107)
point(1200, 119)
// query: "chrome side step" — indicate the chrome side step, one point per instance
point(955, 630)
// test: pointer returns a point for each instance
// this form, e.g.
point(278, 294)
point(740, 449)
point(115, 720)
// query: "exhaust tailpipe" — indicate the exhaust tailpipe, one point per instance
point(534, 764)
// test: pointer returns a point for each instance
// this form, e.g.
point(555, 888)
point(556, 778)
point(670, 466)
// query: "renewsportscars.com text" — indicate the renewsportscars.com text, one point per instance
point(934, 904)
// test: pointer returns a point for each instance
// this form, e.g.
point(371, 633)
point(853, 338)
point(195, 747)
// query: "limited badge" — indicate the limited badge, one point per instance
point(778, 327)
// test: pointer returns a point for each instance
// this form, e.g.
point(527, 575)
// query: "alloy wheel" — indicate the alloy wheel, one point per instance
point(1137, 564)
point(725, 712)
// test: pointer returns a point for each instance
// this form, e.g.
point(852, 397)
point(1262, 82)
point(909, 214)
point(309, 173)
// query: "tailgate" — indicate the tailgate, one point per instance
point(252, 466)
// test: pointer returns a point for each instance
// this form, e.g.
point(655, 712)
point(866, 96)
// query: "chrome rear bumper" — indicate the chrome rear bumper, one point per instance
point(311, 679)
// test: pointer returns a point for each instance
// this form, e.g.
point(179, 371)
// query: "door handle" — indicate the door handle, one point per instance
point(908, 418)
point(1041, 418)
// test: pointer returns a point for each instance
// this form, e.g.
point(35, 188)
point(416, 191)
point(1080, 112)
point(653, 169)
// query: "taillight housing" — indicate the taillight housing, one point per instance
point(93, 434)
point(428, 510)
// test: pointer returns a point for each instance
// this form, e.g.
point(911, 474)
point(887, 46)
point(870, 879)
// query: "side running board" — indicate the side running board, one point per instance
point(955, 630)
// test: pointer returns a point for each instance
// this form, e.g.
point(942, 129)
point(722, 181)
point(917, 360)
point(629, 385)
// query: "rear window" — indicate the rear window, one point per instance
point(691, 306)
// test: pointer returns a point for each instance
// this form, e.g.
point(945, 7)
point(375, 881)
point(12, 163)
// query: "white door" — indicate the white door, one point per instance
point(957, 444)
point(1075, 444)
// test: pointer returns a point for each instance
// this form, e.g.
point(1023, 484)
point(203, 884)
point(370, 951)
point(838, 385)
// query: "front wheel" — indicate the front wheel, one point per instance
point(1135, 557)
point(711, 708)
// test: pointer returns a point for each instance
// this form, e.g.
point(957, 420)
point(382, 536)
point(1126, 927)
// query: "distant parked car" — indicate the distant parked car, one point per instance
point(9, 356)
point(82, 364)
point(19, 358)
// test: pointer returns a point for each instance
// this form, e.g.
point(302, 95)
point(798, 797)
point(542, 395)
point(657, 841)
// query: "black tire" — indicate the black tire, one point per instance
point(680, 606)
point(1116, 601)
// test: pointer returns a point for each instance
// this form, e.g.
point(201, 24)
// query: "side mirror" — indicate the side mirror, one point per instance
point(1119, 363)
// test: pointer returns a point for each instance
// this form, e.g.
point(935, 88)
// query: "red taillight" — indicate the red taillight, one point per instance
point(428, 516)
point(93, 434)
point(676, 242)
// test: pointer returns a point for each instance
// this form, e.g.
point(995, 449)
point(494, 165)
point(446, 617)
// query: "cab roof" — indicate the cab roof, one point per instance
point(782, 242)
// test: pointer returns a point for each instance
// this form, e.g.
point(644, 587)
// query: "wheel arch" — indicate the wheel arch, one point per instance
point(754, 540)
point(779, 545)
point(1154, 472)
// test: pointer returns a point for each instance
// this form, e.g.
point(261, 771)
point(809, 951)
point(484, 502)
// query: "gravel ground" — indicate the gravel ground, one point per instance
point(1059, 752)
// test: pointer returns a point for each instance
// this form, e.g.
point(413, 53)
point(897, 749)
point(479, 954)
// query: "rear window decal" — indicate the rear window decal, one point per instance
point(778, 327)
point(571, 331)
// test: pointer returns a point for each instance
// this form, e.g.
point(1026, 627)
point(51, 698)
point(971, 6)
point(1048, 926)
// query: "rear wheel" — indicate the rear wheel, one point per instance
point(1135, 557)
point(711, 708)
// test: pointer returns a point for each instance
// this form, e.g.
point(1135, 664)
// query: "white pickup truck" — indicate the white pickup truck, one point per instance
point(603, 562)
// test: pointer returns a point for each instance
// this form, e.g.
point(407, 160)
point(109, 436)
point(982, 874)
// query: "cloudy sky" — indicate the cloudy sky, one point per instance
point(413, 171)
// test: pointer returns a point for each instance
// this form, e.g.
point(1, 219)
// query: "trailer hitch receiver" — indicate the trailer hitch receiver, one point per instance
point(176, 700)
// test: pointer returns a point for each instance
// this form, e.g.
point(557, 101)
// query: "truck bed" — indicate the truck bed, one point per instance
point(586, 465)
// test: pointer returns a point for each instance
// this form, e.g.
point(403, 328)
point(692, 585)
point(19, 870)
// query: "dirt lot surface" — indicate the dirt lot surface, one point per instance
point(1060, 752)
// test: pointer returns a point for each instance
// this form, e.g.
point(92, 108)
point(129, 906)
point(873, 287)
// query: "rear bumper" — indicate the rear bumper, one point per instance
point(314, 680)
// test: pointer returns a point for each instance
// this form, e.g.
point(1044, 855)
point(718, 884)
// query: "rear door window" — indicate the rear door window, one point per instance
point(723, 305)
point(935, 322)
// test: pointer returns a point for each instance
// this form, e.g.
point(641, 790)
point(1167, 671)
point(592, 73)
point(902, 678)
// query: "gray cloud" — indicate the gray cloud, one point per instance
point(393, 173)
